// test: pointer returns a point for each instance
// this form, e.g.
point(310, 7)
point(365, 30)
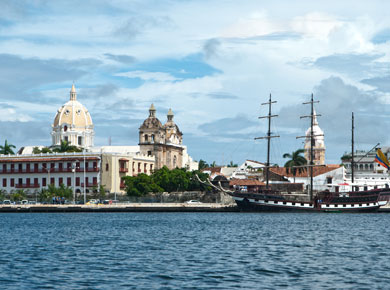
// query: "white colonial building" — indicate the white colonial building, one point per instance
point(106, 165)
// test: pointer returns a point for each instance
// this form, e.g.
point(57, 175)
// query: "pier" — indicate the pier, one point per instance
point(120, 207)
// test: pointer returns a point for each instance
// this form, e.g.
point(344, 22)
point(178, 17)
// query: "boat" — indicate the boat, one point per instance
point(331, 200)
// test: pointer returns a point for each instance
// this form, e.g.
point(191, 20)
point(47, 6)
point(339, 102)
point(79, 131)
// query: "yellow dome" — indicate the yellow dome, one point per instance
point(73, 124)
point(73, 114)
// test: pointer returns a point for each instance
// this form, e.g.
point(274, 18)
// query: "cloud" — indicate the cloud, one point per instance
point(137, 24)
point(148, 76)
point(20, 76)
point(210, 47)
point(382, 36)
point(225, 126)
point(380, 83)
point(122, 58)
point(356, 65)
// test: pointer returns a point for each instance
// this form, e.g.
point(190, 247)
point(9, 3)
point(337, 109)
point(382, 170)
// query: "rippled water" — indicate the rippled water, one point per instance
point(194, 250)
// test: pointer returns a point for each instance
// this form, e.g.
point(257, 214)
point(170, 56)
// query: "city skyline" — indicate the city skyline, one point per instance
point(212, 62)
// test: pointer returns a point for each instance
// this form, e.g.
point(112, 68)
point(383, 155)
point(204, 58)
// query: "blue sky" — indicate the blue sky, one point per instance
point(212, 62)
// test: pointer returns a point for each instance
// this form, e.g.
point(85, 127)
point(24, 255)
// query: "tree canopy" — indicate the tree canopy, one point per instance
point(7, 148)
point(164, 180)
point(296, 160)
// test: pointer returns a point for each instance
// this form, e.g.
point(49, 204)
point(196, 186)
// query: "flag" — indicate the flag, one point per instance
point(381, 159)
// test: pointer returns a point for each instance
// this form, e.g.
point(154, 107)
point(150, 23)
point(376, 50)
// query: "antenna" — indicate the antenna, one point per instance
point(269, 136)
point(311, 116)
point(109, 141)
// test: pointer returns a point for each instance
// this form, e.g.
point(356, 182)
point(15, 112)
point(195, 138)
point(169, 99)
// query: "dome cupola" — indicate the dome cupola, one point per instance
point(73, 123)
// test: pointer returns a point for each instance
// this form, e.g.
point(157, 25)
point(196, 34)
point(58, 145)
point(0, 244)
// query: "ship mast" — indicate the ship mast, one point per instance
point(269, 136)
point(311, 116)
point(353, 154)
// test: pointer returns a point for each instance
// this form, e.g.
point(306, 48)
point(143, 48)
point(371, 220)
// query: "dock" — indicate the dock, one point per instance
point(120, 207)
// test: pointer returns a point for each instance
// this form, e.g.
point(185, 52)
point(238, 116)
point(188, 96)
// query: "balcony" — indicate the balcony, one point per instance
point(44, 170)
point(89, 184)
point(123, 170)
point(27, 185)
point(122, 185)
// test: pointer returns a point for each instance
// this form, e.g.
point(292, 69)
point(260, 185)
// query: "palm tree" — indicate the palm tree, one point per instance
point(7, 148)
point(296, 159)
point(232, 164)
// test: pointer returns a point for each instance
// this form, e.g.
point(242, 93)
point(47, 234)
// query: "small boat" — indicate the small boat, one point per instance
point(324, 201)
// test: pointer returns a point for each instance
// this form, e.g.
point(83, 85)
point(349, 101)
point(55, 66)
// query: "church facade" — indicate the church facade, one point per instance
point(162, 141)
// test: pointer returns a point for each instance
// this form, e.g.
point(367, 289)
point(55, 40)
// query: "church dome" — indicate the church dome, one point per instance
point(151, 122)
point(73, 123)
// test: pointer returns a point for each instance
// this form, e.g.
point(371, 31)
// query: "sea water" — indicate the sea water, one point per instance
point(194, 251)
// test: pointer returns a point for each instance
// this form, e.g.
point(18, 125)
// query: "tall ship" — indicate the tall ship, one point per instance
point(357, 199)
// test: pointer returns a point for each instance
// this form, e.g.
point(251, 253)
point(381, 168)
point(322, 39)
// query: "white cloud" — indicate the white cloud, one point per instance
point(148, 76)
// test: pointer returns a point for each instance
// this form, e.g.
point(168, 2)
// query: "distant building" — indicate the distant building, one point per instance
point(160, 145)
point(164, 142)
point(73, 124)
point(319, 143)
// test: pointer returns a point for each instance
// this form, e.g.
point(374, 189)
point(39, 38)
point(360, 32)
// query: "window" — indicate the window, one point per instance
point(66, 139)
point(275, 202)
point(77, 181)
point(44, 181)
point(146, 138)
point(69, 165)
point(329, 180)
point(152, 137)
point(60, 180)
point(52, 165)
point(284, 202)
point(151, 168)
point(327, 205)
point(302, 204)
point(360, 204)
point(52, 180)
point(80, 140)
point(12, 182)
point(336, 205)
point(20, 181)
point(4, 167)
point(20, 167)
point(95, 180)
point(28, 181)
point(35, 181)
point(107, 166)
point(28, 167)
point(36, 167)
point(69, 181)
point(149, 153)
point(344, 205)
point(94, 165)
point(4, 182)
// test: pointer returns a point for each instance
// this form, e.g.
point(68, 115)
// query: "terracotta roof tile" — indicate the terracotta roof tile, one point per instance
point(316, 171)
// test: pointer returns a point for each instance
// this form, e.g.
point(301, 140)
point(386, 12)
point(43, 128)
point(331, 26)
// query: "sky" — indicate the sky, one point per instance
point(212, 62)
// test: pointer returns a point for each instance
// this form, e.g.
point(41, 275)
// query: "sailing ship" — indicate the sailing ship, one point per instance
point(267, 199)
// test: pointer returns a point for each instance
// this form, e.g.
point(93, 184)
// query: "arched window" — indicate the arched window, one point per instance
point(371, 166)
point(361, 166)
point(174, 161)
point(152, 137)
point(146, 138)
point(366, 166)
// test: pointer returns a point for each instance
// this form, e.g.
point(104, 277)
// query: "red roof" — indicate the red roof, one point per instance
point(318, 170)
point(246, 182)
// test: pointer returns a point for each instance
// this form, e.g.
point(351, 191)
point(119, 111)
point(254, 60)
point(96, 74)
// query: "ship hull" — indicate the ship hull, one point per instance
point(262, 203)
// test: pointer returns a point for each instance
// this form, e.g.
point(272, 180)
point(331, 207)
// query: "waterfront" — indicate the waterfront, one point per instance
point(194, 250)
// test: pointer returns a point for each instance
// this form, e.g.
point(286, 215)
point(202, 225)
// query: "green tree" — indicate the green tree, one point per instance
point(213, 164)
point(19, 195)
point(7, 148)
point(232, 164)
point(65, 147)
point(202, 164)
point(296, 160)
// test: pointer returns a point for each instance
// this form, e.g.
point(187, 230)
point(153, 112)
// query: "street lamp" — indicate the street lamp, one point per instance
point(74, 180)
